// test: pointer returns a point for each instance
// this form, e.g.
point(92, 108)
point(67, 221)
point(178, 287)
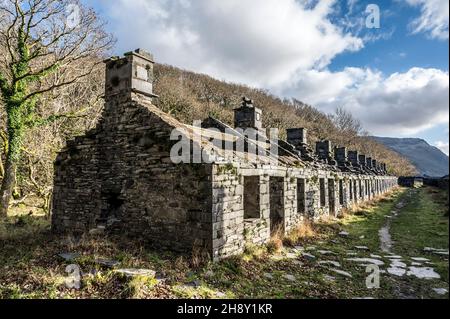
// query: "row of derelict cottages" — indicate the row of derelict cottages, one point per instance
point(120, 177)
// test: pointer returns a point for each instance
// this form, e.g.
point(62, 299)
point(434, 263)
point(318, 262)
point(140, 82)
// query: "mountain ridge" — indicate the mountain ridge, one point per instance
point(428, 159)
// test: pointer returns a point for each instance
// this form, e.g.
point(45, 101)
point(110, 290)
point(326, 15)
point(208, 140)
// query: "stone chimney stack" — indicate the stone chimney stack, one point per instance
point(375, 164)
point(131, 74)
point(297, 137)
point(248, 116)
point(353, 158)
point(323, 150)
point(340, 155)
point(362, 160)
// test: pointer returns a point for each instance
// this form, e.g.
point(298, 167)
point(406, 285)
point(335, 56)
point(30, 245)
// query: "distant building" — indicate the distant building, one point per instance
point(411, 181)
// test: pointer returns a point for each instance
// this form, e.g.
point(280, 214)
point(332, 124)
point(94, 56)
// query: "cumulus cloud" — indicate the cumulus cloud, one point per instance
point(443, 146)
point(399, 104)
point(261, 43)
point(433, 19)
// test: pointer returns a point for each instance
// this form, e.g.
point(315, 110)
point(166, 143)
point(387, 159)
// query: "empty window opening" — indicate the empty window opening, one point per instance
point(322, 192)
point(251, 197)
point(301, 196)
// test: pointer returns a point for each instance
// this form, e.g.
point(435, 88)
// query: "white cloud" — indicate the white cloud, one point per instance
point(400, 104)
point(443, 146)
point(433, 19)
point(261, 43)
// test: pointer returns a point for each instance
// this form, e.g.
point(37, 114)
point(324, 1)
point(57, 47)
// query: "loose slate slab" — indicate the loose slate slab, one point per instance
point(440, 291)
point(325, 252)
point(371, 261)
point(393, 257)
point(362, 248)
point(419, 259)
point(308, 256)
point(423, 273)
point(344, 234)
point(399, 272)
point(107, 263)
point(69, 256)
point(342, 273)
point(133, 272)
point(398, 264)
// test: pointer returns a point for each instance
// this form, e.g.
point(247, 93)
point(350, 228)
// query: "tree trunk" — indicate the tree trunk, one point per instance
point(7, 187)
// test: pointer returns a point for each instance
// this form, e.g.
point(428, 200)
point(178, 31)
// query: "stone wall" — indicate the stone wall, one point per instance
point(120, 178)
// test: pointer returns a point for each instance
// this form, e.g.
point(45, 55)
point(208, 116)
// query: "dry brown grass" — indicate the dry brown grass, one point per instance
point(275, 244)
point(304, 230)
point(199, 256)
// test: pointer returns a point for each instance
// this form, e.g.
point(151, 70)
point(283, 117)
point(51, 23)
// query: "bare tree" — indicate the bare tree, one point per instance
point(49, 45)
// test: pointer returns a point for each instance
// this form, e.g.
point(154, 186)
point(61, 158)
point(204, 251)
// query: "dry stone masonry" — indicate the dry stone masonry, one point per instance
point(120, 178)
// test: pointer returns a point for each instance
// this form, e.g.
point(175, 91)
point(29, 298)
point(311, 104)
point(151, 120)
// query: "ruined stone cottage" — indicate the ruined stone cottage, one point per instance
point(121, 177)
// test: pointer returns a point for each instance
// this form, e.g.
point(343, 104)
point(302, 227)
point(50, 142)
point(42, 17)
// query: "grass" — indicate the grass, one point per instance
point(30, 268)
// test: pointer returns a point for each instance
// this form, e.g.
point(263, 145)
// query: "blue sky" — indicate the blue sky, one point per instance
point(395, 78)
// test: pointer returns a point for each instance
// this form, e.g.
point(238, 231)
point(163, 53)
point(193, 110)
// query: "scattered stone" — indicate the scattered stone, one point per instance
point(325, 252)
point(416, 264)
point(299, 248)
point(69, 256)
point(362, 237)
point(362, 248)
point(311, 248)
point(209, 274)
point(436, 251)
point(297, 262)
point(423, 273)
point(420, 259)
point(371, 261)
point(352, 253)
point(399, 272)
point(329, 278)
point(289, 277)
point(133, 272)
point(309, 256)
point(375, 256)
point(329, 262)
point(268, 276)
point(440, 291)
point(107, 263)
point(442, 253)
point(342, 273)
point(393, 257)
point(398, 264)
point(344, 234)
